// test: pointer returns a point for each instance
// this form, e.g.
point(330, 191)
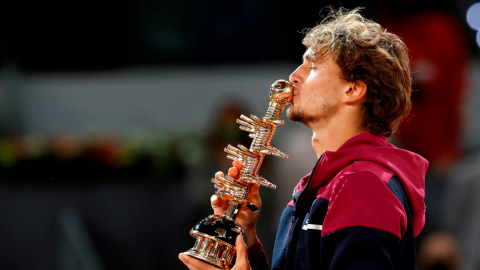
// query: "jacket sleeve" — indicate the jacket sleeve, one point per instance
point(256, 256)
point(363, 226)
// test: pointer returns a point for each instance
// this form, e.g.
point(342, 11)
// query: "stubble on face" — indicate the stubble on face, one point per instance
point(322, 113)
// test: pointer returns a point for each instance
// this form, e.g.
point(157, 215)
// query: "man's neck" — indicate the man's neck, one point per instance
point(332, 137)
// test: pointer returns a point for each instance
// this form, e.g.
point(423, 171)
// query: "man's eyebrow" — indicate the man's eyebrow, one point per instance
point(308, 56)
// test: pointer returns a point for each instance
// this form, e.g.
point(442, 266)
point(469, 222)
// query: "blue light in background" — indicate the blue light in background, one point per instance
point(478, 38)
point(473, 19)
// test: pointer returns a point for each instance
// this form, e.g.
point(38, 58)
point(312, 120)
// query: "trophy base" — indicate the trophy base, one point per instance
point(206, 258)
point(215, 241)
point(211, 250)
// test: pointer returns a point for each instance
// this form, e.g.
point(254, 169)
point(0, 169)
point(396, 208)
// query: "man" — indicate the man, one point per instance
point(363, 204)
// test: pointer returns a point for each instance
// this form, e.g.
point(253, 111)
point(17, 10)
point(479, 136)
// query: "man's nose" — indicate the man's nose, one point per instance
point(294, 77)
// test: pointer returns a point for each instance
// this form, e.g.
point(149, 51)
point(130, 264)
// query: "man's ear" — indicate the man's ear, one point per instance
point(356, 92)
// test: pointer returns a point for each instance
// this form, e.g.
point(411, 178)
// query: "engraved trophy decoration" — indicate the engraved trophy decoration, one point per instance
point(216, 235)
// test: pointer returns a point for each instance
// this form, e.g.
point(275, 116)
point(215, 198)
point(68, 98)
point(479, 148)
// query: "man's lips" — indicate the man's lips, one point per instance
point(295, 93)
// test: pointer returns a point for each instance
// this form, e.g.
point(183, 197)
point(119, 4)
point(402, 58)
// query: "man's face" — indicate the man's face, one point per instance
point(318, 90)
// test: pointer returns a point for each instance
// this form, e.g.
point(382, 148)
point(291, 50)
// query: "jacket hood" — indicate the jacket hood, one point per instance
point(409, 167)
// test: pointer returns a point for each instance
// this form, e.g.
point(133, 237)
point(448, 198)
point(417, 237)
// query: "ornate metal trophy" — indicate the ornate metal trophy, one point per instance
point(216, 235)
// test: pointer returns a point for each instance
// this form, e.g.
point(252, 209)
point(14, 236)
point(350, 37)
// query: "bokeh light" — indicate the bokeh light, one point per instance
point(473, 16)
point(478, 38)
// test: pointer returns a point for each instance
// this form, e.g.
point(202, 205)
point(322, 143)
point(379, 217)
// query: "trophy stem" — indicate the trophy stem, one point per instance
point(274, 111)
point(233, 210)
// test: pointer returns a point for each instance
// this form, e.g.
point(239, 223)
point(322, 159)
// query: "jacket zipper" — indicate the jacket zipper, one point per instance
point(306, 187)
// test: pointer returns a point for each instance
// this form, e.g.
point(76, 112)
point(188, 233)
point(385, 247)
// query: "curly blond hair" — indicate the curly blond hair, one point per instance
point(365, 51)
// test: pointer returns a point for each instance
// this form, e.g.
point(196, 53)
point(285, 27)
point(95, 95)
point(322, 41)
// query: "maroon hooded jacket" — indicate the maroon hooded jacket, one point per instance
point(360, 208)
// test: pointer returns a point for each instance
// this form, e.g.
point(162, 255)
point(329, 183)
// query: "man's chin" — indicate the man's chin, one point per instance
point(290, 113)
point(294, 115)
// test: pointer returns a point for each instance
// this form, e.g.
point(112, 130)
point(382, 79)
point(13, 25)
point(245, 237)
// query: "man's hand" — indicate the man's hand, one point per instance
point(240, 264)
point(246, 218)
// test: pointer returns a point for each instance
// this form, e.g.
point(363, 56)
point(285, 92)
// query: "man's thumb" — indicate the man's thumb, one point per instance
point(241, 246)
point(242, 254)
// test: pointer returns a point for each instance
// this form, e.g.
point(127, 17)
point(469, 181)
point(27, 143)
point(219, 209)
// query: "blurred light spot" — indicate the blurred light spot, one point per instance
point(424, 70)
point(478, 38)
point(473, 16)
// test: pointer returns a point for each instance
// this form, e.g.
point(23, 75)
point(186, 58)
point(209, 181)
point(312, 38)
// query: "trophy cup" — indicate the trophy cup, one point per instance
point(216, 235)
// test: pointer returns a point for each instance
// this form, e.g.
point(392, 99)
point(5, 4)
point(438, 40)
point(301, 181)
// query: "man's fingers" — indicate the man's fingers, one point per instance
point(254, 195)
point(194, 264)
point(242, 254)
point(214, 200)
point(233, 172)
point(237, 164)
point(186, 260)
point(241, 247)
point(218, 201)
point(218, 204)
point(254, 190)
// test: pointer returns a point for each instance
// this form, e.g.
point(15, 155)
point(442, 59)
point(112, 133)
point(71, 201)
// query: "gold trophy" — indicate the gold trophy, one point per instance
point(216, 235)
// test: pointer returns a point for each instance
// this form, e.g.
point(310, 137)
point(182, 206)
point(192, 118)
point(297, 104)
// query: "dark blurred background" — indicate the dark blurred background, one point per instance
point(114, 116)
